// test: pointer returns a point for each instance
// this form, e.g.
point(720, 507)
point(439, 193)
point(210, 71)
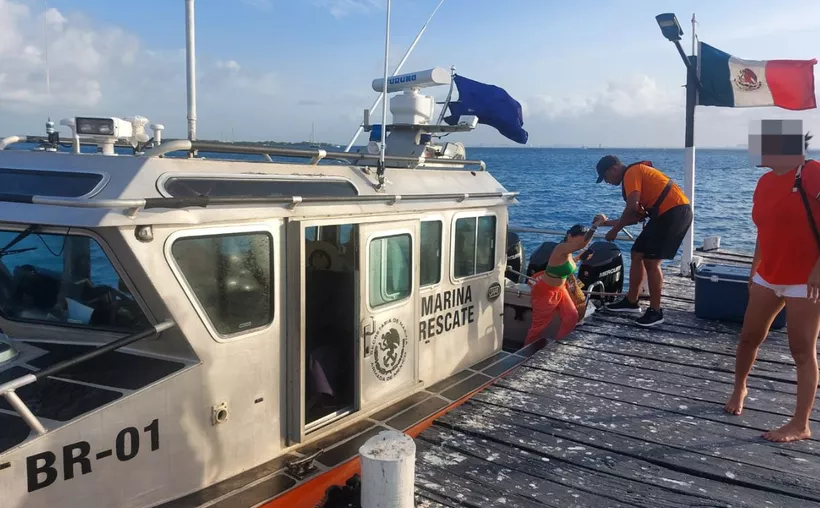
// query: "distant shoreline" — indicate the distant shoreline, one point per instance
point(338, 147)
point(474, 147)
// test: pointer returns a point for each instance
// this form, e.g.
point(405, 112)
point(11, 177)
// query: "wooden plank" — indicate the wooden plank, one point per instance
point(557, 441)
point(591, 349)
point(686, 322)
point(604, 488)
point(696, 328)
point(427, 502)
point(599, 411)
point(722, 254)
point(776, 351)
point(707, 463)
point(682, 306)
point(682, 356)
point(680, 284)
point(678, 319)
point(685, 406)
point(653, 381)
point(687, 319)
point(501, 475)
point(440, 478)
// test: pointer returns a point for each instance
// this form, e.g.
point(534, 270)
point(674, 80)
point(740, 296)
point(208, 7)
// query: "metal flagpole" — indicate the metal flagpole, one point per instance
point(689, 153)
point(45, 54)
point(395, 72)
point(190, 54)
point(383, 146)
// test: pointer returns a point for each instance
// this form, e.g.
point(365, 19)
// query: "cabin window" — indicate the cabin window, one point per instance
point(230, 275)
point(474, 246)
point(58, 184)
point(390, 269)
point(223, 187)
point(430, 244)
point(64, 279)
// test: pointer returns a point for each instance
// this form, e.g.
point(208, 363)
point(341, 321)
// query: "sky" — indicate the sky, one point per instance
point(586, 73)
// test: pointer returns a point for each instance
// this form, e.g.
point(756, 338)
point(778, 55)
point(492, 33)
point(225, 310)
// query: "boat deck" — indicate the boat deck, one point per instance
point(615, 415)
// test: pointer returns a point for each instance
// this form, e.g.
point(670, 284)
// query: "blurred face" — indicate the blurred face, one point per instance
point(777, 144)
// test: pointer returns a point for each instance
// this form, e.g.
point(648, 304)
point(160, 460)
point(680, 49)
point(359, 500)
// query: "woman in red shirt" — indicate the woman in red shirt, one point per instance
point(785, 271)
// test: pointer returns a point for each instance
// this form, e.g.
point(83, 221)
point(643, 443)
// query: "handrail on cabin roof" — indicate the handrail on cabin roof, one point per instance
point(132, 206)
point(184, 145)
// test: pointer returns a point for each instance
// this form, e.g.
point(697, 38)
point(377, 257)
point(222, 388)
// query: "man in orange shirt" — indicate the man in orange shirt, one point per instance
point(648, 193)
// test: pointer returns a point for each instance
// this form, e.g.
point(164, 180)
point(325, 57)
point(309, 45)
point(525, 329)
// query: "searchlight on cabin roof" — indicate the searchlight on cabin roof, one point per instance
point(107, 131)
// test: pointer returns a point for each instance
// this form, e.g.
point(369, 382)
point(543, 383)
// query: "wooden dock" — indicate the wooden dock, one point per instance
point(615, 415)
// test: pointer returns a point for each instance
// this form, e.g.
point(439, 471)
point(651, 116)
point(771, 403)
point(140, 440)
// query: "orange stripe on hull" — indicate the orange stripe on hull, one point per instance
point(312, 492)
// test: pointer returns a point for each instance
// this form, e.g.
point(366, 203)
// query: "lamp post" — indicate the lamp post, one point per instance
point(671, 29)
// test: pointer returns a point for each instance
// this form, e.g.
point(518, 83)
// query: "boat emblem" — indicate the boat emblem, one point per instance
point(747, 80)
point(390, 349)
point(494, 291)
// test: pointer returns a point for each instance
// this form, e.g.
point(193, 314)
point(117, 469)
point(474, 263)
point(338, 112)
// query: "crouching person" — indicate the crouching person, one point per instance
point(554, 311)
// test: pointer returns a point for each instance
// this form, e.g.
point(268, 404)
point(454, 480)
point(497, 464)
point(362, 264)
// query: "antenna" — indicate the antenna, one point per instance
point(694, 34)
point(190, 55)
point(45, 53)
point(395, 72)
point(382, 148)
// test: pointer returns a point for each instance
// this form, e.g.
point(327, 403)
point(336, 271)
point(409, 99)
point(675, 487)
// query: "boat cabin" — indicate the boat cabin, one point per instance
point(176, 313)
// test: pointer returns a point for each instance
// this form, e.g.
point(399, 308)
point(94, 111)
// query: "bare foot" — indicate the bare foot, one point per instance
point(735, 404)
point(789, 432)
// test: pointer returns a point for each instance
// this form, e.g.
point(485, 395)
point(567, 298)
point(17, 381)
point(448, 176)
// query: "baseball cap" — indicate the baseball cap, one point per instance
point(577, 230)
point(606, 162)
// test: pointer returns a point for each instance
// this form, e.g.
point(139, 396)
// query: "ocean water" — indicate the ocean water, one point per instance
point(557, 189)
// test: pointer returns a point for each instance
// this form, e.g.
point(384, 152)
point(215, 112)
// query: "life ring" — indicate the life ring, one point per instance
point(320, 260)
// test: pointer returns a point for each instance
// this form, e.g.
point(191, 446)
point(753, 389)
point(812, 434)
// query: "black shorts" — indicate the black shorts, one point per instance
point(663, 235)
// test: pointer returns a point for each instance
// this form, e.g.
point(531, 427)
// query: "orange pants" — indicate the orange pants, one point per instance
point(548, 302)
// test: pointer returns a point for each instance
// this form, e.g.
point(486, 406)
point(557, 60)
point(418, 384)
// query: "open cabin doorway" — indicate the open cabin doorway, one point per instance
point(331, 322)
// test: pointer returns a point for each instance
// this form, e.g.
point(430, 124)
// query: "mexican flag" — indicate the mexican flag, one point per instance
point(731, 82)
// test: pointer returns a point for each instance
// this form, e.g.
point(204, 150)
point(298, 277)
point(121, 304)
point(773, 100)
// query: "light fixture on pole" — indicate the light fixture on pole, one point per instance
point(671, 29)
point(669, 26)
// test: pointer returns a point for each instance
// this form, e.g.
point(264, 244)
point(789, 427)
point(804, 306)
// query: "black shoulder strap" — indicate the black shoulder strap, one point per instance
point(653, 212)
point(798, 184)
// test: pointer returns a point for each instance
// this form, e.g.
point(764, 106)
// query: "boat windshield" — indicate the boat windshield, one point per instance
point(63, 279)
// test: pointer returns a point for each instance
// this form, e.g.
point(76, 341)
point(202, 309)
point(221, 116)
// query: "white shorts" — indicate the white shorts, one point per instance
point(783, 290)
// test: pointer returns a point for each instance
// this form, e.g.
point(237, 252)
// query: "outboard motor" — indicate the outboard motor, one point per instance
point(540, 258)
point(605, 265)
point(515, 257)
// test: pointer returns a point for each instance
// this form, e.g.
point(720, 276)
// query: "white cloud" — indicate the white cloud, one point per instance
point(80, 57)
point(638, 96)
point(230, 65)
point(342, 8)
point(96, 69)
point(751, 24)
point(263, 5)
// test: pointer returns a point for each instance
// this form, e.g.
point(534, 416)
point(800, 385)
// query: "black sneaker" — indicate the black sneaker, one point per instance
point(625, 306)
point(652, 317)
